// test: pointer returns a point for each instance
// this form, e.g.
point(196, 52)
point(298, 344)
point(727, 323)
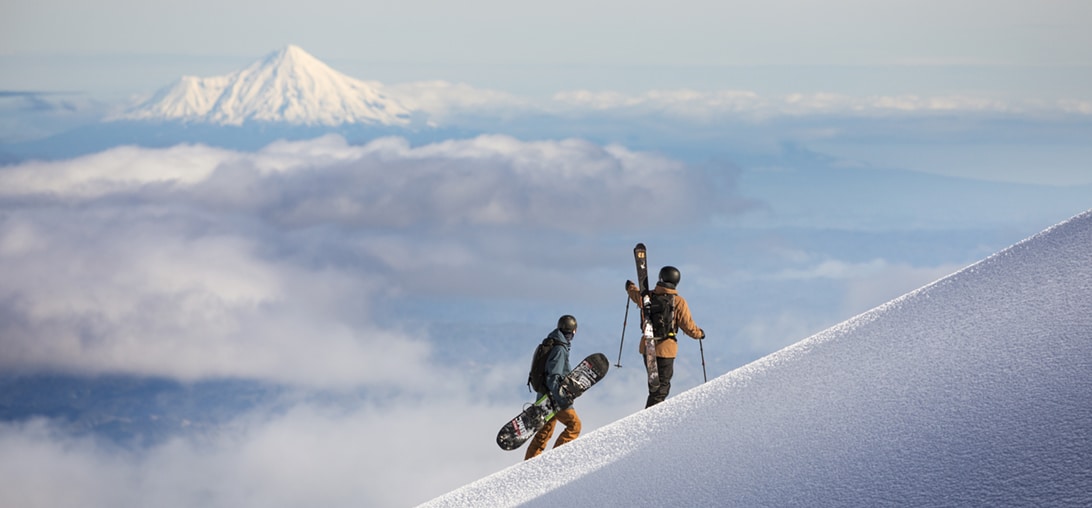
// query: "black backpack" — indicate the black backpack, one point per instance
point(536, 379)
point(662, 315)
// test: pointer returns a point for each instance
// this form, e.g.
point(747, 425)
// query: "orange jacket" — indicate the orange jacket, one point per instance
point(669, 348)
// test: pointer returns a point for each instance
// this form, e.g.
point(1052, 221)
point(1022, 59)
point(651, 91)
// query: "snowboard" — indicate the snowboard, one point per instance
point(641, 258)
point(526, 424)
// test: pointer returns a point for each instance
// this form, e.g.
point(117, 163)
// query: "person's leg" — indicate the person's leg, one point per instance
point(571, 421)
point(666, 367)
point(541, 439)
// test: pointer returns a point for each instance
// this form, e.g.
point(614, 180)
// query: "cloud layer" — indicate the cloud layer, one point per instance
point(319, 266)
point(445, 102)
point(386, 278)
point(195, 262)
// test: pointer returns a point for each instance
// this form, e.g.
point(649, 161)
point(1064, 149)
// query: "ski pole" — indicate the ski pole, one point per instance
point(701, 347)
point(624, 320)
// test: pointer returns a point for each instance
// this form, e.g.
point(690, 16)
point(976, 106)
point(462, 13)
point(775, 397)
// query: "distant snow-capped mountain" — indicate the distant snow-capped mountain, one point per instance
point(288, 86)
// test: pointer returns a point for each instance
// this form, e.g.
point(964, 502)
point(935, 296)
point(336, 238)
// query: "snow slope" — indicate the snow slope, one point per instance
point(973, 391)
point(287, 86)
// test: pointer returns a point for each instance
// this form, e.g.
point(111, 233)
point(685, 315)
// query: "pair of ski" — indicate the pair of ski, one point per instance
point(588, 372)
point(639, 255)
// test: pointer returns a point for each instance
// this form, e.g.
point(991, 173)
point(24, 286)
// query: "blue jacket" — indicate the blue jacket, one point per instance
point(557, 367)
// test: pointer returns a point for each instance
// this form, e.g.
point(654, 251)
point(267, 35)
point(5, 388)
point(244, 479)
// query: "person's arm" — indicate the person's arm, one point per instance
point(555, 372)
point(684, 321)
point(633, 291)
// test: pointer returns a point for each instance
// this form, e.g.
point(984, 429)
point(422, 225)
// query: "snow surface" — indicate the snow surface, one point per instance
point(287, 86)
point(975, 390)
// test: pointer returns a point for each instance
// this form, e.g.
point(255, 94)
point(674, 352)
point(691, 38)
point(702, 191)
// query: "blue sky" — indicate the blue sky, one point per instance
point(899, 46)
point(689, 32)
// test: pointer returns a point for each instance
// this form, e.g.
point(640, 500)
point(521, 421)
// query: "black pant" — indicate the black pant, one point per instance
point(666, 366)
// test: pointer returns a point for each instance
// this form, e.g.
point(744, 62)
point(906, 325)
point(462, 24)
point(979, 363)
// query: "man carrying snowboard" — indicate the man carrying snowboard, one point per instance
point(670, 312)
point(556, 368)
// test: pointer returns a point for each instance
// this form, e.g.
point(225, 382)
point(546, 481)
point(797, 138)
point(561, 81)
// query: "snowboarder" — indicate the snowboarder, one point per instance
point(670, 313)
point(557, 367)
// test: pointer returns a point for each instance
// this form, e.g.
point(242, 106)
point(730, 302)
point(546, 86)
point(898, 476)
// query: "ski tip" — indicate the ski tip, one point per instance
point(640, 246)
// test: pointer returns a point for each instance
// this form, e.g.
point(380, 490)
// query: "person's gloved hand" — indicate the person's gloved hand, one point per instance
point(630, 285)
point(561, 398)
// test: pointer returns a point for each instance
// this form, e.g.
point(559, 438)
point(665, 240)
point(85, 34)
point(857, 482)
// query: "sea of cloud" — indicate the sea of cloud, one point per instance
point(411, 282)
point(325, 266)
point(195, 261)
point(317, 266)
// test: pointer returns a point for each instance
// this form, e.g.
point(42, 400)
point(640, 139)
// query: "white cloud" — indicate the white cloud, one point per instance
point(721, 104)
point(306, 456)
point(149, 298)
point(679, 102)
point(485, 180)
point(116, 170)
point(833, 269)
point(308, 265)
point(869, 283)
point(759, 335)
point(870, 270)
point(442, 99)
point(448, 104)
point(851, 288)
point(366, 451)
point(194, 262)
point(889, 281)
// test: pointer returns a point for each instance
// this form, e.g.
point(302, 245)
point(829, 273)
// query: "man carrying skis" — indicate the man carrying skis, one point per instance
point(557, 367)
point(670, 313)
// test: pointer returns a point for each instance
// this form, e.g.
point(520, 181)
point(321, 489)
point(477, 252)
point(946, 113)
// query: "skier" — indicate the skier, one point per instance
point(557, 367)
point(678, 316)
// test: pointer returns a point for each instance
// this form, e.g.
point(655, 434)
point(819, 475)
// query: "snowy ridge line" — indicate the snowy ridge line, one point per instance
point(972, 390)
point(875, 313)
point(544, 478)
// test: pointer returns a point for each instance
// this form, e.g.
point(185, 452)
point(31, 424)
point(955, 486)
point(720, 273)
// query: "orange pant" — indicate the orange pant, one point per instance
point(572, 430)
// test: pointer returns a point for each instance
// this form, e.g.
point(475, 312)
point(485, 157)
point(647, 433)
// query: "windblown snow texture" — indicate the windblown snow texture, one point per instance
point(975, 390)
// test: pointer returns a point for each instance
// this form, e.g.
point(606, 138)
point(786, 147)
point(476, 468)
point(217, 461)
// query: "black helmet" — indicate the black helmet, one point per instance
point(670, 275)
point(566, 324)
